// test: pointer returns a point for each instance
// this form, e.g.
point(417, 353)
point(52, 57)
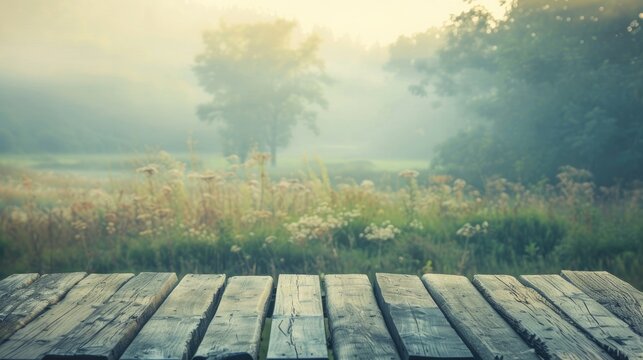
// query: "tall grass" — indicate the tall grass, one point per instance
point(240, 220)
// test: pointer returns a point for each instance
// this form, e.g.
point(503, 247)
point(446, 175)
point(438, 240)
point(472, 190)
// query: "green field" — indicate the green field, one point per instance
point(157, 212)
point(118, 164)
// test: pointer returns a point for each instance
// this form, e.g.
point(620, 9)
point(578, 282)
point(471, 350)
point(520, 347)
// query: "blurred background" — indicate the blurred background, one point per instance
point(413, 136)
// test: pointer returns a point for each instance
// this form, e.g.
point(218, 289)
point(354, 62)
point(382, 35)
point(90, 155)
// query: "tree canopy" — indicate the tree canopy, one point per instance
point(261, 84)
point(553, 83)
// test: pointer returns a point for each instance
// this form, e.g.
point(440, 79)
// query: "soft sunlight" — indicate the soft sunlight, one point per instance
point(299, 179)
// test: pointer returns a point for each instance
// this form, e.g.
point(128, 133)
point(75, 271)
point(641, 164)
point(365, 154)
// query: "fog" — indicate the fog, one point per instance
point(475, 88)
point(116, 76)
point(267, 137)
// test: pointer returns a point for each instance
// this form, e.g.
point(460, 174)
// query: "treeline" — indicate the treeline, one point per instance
point(54, 118)
point(553, 83)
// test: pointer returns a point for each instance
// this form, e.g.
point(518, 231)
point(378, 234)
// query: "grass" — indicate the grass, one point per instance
point(125, 163)
point(315, 217)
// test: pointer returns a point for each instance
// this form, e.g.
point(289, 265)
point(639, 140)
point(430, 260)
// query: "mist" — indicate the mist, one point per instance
point(117, 77)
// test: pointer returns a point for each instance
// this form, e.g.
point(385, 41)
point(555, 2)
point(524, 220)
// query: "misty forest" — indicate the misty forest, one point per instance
point(253, 137)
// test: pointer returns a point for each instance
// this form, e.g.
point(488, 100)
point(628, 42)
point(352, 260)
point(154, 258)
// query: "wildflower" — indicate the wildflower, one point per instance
point(322, 224)
point(19, 216)
point(110, 228)
point(235, 248)
point(367, 185)
point(79, 225)
point(270, 239)
point(148, 170)
point(381, 233)
point(146, 232)
point(175, 173)
point(468, 231)
point(260, 157)
point(440, 179)
point(283, 185)
point(232, 159)
point(26, 182)
point(208, 176)
point(143, 217)
point(416, 224)
point(263, 214)
point(409, 174)
point(459, 184)
point(164, 212)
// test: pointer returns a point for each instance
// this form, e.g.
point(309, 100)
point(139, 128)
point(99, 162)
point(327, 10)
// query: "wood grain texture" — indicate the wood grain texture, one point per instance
point(177, 327)
point(529, 314)
point(41, 334)
point(419, 328)
point(235, 331)
point(15, 282)
point(602, 326)
point(614, 294)
point(357, 327)
point(480, 326)
point(107, 332)
point(20, 307)
point(297, 329)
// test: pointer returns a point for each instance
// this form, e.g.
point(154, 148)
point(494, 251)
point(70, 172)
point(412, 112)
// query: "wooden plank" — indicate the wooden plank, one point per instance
point(235, 331)
point(177, 327)
point(41, 334)
point(20, 307)
point(109, 329)
point(16, 282)
point(357, 328)
point(616, 295)
point(602, 326)
point(297, 329)
point(537, 322)
point(419, 328)
point(481, 327)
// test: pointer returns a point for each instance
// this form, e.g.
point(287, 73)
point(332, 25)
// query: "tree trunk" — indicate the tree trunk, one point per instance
point(273, 155)
point(273, 143)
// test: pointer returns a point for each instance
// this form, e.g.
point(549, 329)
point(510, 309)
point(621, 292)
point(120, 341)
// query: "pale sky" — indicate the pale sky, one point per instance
point(366, 21)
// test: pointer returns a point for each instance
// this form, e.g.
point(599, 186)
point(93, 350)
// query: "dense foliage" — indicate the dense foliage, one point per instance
point(553, 83)
point(239, 220)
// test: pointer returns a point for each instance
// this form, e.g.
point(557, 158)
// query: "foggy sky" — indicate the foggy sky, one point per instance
point(123, 68)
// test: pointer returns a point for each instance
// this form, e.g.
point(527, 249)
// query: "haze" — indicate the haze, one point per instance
point(111, 76)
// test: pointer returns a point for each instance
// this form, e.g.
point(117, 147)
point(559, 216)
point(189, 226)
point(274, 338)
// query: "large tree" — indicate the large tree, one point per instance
point(555, 82)
point(262, 83)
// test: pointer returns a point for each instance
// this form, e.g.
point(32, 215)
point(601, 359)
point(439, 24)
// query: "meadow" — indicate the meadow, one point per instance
point(211, 215)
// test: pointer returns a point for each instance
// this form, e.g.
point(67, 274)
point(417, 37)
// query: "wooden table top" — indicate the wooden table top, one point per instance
point(154, 316)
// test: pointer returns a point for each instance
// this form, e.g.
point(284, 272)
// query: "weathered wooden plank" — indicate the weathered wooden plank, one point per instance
point(419, 328)
point(235, 331)
point(616, 295)
point(109, 329)
point(20, 307)
point(529, 314)
point(602, 326)
point(15, 282)
point(41, 334)
point(481, 327)
point(297, 329)
point(177, 327)
point(357, 328)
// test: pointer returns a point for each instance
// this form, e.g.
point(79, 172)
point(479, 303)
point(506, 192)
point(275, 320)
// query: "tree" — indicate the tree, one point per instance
point(261, 85)
point(555, 82)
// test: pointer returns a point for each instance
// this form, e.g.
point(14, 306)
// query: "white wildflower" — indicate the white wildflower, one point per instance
point(384, 232)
